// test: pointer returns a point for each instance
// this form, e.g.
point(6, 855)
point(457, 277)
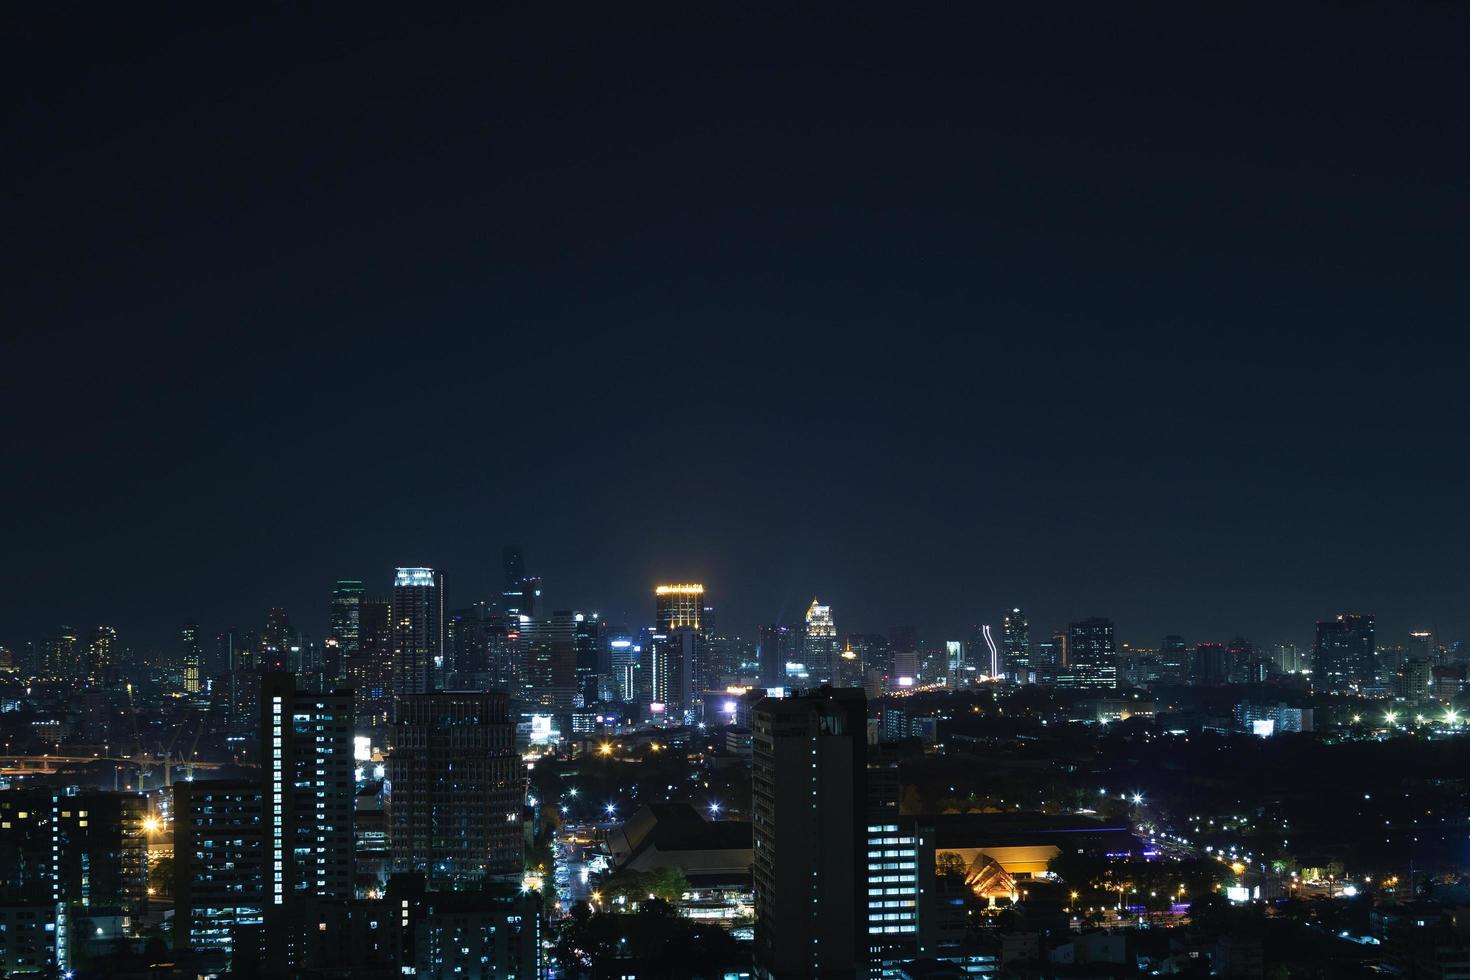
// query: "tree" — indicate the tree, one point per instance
point(950, 865)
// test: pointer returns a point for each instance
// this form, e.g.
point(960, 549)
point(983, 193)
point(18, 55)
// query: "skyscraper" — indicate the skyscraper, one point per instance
point(418, 630)
point(1174, 659)
point(1211, 665)
point(454, 809)
point(521, 591)
point(823, 655)
point(370, 670)
point(1342, 656)
point(1092, 659)
point(551, 659)
point(590, 654)
point(346, 625)
point(276, 641)
point(247, 855)
point(306, 741)
point(1015, 641)
point(809, 807)
point(678, 605)
point(101, 654)
point(191, 657)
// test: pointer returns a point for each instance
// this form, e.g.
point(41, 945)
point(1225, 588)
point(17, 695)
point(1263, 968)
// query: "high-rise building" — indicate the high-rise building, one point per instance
point(101, 654)
point(1092, 658)
point(821, 649)
point(346, 624)
point(221, 844)
point(456, 789)
point(247, 855)
point(521, 591)
point(589, 652)
point(306, 750)
point(1422, 646)
point(1174, 659)
point(678, 605)
point(370, 670)
point(1342, 656)
point(276, 641)
point(1211, 665)
point(809, 808)
point(777, 646)
point(191, 657)
point(551, 659)
point(418, 630)
point(1015, 641)
point(82, 847)
point(674, 664)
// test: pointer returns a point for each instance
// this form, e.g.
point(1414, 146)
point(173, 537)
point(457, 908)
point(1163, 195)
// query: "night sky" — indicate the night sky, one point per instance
point(1152, 313)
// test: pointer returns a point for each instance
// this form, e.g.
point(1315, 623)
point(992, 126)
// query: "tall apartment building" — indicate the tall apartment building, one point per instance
point(809, 808)
point(455, 789)
point(247, 855)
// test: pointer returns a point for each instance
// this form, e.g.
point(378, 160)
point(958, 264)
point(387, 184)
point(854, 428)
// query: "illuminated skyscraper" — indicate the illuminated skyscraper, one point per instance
point(346, 623)
point(418, 630)
point(591, 656)
point(1342, 657)
point(190, 651)
point(678, 605)
point(101, 654)
point(823, 656)
point(1092, 659)
point(1015, 641)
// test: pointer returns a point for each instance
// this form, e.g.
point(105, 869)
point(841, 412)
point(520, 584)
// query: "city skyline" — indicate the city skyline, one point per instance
point(1095, 367)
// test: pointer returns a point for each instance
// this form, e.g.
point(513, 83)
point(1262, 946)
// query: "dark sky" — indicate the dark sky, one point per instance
point(1150, 312)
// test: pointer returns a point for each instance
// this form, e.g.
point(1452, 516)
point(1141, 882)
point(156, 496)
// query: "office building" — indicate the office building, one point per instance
point(778, 645)
point(1091, 658)
point(191, 658)
point(678, 606)
point(590, 655)
point(346, 617)
point(1015, 642)
point(1343, 654)
point(810, 827)
point(276, 641)
point(521, 592)
point(550, 647)
point(1175, 660)
point(1211, 665)
point(101, 654)
point(370, 670)
point(455, 789)
point(821, 650)
point(418, 630)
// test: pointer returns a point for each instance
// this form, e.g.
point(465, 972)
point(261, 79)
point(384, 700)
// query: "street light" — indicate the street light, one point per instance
point(714, 809)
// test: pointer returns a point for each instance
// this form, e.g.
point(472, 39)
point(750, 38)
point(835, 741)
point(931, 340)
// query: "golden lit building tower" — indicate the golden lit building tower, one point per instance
point(823, 655)
point(678, 606)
